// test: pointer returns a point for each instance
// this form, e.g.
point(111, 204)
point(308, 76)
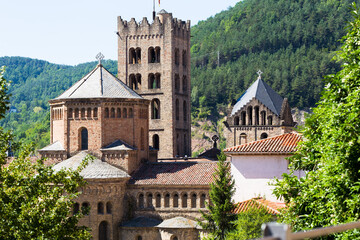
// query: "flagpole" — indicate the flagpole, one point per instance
point(153, 9)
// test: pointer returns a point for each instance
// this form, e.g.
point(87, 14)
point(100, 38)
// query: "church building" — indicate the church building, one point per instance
point(128, 124)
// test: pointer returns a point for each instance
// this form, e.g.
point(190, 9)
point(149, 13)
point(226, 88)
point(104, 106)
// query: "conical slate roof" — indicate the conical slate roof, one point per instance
point(262, 92)
point(99, 83)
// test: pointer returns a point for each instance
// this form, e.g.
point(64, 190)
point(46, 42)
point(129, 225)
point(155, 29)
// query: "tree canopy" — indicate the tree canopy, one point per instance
point(35, 201)
point(330, 152)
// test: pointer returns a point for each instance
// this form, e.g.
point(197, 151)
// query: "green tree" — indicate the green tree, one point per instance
point(219, 221)
point(248, 223)
point(35, 201)
point(330, 152)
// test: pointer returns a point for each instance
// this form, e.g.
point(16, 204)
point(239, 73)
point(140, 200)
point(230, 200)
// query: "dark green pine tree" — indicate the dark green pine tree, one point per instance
point(219, 221)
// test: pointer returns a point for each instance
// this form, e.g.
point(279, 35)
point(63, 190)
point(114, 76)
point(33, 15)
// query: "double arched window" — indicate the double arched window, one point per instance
point(134, 56)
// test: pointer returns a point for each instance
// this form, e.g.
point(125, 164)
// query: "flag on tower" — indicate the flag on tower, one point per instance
point(159, 3)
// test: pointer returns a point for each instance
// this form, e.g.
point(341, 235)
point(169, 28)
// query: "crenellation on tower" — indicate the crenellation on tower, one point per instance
point(153, 60)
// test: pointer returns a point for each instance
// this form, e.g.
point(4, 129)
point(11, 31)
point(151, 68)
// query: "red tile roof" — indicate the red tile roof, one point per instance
point(282, 144)
point(271, 207)
point(174, 173)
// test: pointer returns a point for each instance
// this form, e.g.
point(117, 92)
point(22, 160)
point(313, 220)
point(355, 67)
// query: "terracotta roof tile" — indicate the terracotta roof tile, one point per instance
point(282, 144)
point(174, 173)
point(272, 207)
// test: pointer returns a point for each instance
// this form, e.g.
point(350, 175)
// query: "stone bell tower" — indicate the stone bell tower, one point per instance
point(154, 60)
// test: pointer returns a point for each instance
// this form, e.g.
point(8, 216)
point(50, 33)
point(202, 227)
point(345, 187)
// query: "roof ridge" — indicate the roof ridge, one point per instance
point(84, 80)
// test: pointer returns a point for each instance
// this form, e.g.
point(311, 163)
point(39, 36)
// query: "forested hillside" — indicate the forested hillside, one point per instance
point(291, 42)
point(33, 84)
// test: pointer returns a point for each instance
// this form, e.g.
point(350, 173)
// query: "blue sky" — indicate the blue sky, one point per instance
point(74, 31)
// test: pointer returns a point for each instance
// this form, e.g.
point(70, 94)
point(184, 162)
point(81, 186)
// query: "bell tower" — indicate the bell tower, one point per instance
point(154, 60)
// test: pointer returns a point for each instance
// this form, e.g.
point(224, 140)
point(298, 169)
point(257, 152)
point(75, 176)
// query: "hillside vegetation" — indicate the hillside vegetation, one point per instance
point(291, 42)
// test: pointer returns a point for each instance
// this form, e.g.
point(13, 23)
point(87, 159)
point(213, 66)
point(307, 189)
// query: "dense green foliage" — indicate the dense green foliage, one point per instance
point(290, 41)
point(248, 223)
point(33, 84)
point(35, 201)
point(330, 153)
point(219, 221)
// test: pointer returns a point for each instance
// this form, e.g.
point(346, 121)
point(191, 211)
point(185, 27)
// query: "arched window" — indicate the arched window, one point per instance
point(95, 112)
point(88, 113)
point(142, 139)
point(250, 115)
point(124, 113)
point(270, 120)
point(85, 208)
point(177, 56)
point(174, 238)
point(139, 238)
point(76, 113)
point(257, 115)
point(242, 139)
point(155, 109)
point(76, 208)
point(118, 111)
point(184, 62)
point(108, 208)
point(138, 55)
point(141, 200)
point(132, 56)
point(157, 54)
point(112, 113)
point(103, 231)
point(176, 200)
point(138, 81)
point(149, 200)
point(100, 209)
point(158, 200)
point(263, 118)
point(167, 200)
point(70, 113)
point(84, 139)
point(132, 81)
point(177, 82)
point(131, 113)
point(151, 54)
point(185, 145)
point(184, 200)
point(263, 136)
point(156, 141)
point(157, 80)
point(151, 80)
point(193, 200)
point(243, 118)
point(106, 112)
point(236, 120)
point(177, 110)
point(185, 111)
point(83, 113)
point(184, 84)
point(202, 200)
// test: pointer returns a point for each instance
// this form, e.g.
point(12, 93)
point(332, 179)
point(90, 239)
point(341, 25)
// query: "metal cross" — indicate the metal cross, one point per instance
point(259, 73)
point(100, 57)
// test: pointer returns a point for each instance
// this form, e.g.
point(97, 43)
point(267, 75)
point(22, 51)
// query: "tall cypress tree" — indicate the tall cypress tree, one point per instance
point(219, 221)
point(330, 153)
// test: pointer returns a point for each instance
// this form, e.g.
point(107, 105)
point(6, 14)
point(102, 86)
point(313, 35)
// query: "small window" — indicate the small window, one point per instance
point(118, 113)
point(156, 141)
point(158, 200)
point(193, 201)
point(131, 113)
point(84, 139)
point(124, 113)
point(141, 200)
point(95, 112)
point(149, 200)
point(85, 208)
point(177, 56)
point(108, 208)
point(167, 200)
point(177, 82)
point(76, 208)
point(263, 136)
point(243, 138)
point(100, 208)
point(263, 118)
point(184, 200)
point(270, 120)
point(155, 109)
point(236, 121)
point(185, 111)
point(70, 113)
point(88, 114)
point(106, 112)
point(139, 238)
point(184, 56)
point(112, 112)
point(177, 110)
point(76, 113)
point(83, 113)
point(202, 200)
point(176, 201)
point(184, 84)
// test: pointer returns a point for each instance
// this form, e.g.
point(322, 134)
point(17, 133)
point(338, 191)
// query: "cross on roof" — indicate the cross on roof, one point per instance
point(100, 57)
point(259, 73)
